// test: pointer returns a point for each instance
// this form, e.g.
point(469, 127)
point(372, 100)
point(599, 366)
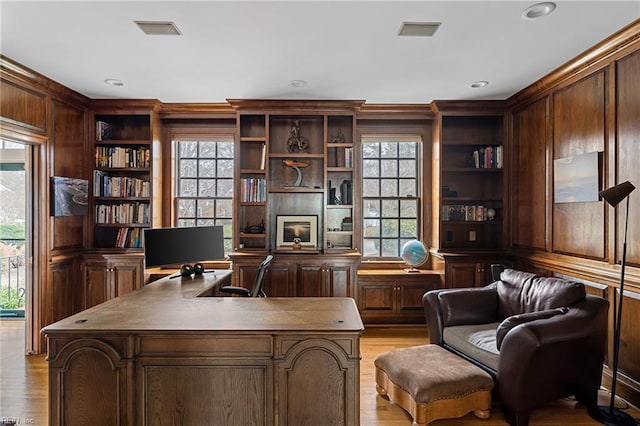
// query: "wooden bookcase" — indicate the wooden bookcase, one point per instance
point(267, 184)
point(123, 184)
point(469, 202)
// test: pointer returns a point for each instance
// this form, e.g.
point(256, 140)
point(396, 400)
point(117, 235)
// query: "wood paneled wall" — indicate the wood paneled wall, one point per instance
point(594, 106)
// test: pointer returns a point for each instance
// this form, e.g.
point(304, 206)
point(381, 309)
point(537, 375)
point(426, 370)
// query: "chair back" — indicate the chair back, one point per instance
point(256, 290)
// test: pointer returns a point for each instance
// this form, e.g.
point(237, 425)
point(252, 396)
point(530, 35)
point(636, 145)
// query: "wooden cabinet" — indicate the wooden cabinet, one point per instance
point(106, 276)
point(295, 159)
point(301, 275)
point(468, 269)
point(469, 202)
point(394, 296)
point(124, 186)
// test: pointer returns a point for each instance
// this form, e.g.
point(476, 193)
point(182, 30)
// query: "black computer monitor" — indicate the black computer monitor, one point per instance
point(175, 246)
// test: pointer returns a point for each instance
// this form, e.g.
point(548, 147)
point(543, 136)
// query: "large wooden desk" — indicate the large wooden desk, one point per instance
point(166, 355)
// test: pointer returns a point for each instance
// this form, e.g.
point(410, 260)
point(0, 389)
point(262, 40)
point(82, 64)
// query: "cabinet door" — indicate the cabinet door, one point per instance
point(339, 280)
point(126, 277)
point(461, 274)
point(96, 283)
point(63, 296)
point(310, 281)
point(279, 280)
point(410, 296)
point(376, 297)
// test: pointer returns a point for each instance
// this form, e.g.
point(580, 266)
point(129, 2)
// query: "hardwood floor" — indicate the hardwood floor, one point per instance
point(23, 384)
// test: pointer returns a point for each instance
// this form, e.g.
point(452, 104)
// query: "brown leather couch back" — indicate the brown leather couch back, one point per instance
point(522, 292)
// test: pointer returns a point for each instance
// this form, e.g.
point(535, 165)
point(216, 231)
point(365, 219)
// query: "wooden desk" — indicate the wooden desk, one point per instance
point(165, 354)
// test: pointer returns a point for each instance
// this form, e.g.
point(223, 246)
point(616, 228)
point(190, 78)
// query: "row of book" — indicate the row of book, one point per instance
point(128, 237)
point(123, 213)
point(253, 190)
point(490, 157)
point(103, 131)
point(464, 213)
point(340, 157)
point(105, 185)
point(117, 156)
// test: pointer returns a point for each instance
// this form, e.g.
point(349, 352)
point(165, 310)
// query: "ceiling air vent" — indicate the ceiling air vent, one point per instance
point(418, 29)
point(158, 27)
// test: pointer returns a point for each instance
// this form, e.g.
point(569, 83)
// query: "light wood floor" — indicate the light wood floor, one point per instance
point(23, 384)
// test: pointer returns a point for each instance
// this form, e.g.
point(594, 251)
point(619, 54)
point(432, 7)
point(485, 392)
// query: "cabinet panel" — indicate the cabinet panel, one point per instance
point(126, 277)
point(109, 276)
point(460, 275)
point(376, 297)
point(64, 294)
point(95, 276)
point(310, 281)
point(279, 281)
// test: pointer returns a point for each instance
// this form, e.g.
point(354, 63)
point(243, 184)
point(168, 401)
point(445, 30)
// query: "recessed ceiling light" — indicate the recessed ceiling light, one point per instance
point(538, 10)
point(297, 83)
point(158, 27)
point(113, 82)
point(478, 84)
point(419, 29)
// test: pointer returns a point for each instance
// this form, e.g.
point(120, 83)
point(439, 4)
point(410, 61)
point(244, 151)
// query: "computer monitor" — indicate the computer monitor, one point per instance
point(175, 246)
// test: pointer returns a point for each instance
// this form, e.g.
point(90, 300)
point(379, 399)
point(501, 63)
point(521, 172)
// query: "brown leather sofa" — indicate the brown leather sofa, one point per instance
point(541, 339)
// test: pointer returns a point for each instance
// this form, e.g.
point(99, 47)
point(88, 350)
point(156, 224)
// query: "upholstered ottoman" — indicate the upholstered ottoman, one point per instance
point(431, 383)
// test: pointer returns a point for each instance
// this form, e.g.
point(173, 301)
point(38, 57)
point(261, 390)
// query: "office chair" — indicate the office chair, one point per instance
point(256, 290)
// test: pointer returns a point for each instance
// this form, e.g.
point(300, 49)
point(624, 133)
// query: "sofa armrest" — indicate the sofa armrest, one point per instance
point(473, 305)
point(550, 358)
point(509, 323)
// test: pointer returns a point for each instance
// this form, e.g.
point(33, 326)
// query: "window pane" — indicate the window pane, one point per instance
point(408, 149)
point(186, 222)
point(390, 228)
point(227, 227)
point(207, 149)
point(225, 168)
point(389, 168)
point(224, 208)
point(207, 168)
point(371, 247)
point(370, 150)
point(408, 228)
point(186, 208)
point(206, 208)
point(371, 228)
point(371, 208)
point(390, 248)
point(206, 222)
point(188, 149)
point(225, 150)
point(370, 168)
point(407, 168)
point(388, 149)
point(407, 188)
point(390, 208)
point(370, 188)
point(408, 208)
point(225, 188)
point(389, 188)
point(188, 168)
point(207, 188)
point(188, 187)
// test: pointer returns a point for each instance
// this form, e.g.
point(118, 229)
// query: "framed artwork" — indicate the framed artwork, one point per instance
point(69, 196)
point(577, 179)
point(297, 229)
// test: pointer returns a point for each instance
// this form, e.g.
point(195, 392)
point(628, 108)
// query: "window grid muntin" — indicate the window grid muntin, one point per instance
point(376, 219)
point(215, 208)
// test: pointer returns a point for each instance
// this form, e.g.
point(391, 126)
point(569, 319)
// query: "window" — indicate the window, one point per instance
point(204, 184)
point(390, 188)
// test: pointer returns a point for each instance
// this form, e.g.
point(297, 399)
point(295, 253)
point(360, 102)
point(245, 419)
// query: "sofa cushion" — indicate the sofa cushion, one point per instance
point(521, 292)
point(476, 341)
point(469, 306)
point(509, 323)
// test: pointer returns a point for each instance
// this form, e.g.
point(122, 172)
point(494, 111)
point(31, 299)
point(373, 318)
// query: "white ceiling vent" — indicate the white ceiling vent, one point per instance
point(158, 27)
point(418, 29)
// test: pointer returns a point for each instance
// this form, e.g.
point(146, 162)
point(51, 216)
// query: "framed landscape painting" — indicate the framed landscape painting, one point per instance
point(577, 179)
point(296, 228)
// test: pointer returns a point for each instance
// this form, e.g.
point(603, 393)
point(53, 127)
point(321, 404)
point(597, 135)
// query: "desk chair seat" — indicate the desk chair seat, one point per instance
point(256, 290)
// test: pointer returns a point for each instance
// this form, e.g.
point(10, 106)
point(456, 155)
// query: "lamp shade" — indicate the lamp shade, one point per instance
point(617, 193)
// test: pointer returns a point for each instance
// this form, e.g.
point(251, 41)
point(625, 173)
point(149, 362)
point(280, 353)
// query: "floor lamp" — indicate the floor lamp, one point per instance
point(610, 415)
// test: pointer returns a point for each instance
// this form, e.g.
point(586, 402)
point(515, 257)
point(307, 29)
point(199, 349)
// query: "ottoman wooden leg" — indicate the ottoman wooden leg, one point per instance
point(482, 414)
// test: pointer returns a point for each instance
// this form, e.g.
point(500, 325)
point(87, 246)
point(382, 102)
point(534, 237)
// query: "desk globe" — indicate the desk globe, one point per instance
point(414, 253)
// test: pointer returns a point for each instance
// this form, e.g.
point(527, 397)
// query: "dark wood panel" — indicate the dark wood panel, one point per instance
point(23, 106)
point(579, 127)
point(630, 337)
point(63, 283)
point(628, 125)
point(529, 173)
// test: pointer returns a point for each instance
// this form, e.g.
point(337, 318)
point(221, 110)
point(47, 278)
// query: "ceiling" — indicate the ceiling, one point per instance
point(342, 49)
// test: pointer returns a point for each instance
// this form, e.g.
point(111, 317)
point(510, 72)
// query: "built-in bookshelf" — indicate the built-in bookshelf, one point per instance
point(470, 201)
point(121, 179)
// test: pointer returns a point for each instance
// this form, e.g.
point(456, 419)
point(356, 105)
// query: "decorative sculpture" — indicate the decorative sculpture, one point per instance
point(296, 165)
point(339, 138)
point(297, 142)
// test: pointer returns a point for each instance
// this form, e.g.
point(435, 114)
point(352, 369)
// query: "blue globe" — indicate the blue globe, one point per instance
point(414, 253)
